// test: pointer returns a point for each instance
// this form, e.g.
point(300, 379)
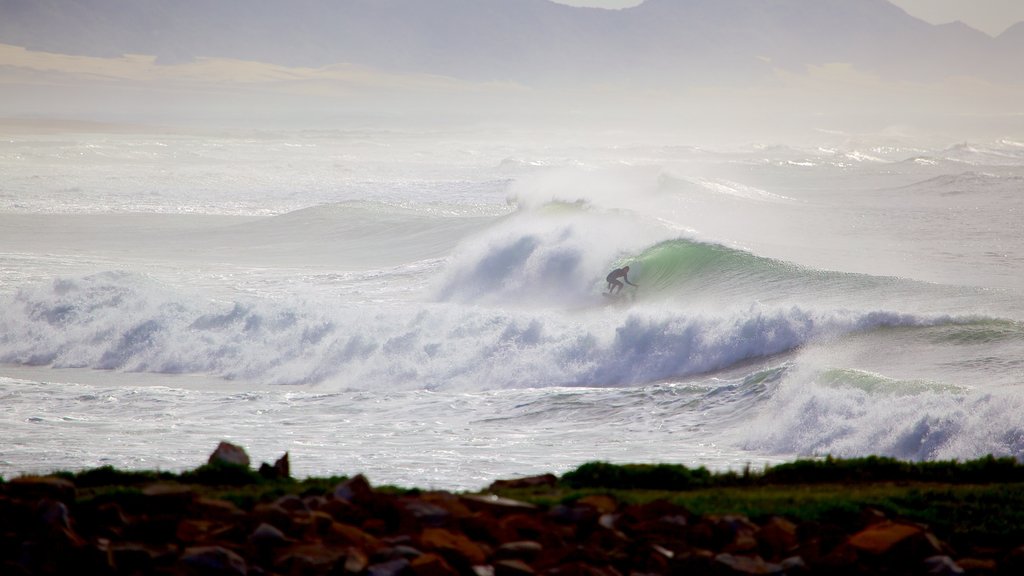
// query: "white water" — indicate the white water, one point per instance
point(425, 309)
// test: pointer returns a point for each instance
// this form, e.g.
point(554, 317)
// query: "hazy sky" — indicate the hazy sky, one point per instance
point(991, 16)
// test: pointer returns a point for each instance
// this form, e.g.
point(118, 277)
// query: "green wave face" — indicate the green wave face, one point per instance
point(674, 265)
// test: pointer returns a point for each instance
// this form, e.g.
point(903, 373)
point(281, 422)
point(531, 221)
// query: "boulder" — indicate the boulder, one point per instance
point(512, 567)
point(527, 550)
point(41, 487)
point(394, 567)
point(777, 538)
point(227, 453)
point(453, 546)
point(431, 565)
point(941, 566)
point(353, 490)
point(280, 469)
point(544, 480)
point(212, 560)
point(743, 565)
point(908, 541)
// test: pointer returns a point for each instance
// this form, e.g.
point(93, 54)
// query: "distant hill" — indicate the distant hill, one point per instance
point(527, 41)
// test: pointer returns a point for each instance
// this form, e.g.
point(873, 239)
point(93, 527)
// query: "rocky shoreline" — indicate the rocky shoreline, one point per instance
point(48, 525)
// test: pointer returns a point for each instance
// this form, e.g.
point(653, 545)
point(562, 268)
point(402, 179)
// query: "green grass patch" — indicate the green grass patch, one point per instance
point(829, 470)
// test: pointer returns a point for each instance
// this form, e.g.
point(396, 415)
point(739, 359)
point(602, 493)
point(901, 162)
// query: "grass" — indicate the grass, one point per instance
point(963, 502)
point(974, 501)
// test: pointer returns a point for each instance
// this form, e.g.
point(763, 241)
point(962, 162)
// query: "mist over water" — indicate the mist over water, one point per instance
point(427, 308)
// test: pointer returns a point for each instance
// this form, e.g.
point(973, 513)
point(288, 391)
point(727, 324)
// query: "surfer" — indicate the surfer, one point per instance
point(613, 279)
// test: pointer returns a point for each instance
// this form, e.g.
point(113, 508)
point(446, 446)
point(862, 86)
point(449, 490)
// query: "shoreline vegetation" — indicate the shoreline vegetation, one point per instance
point(870, 515)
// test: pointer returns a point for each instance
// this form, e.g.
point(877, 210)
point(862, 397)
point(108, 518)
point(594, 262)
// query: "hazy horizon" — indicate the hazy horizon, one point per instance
point(785, 102)
point(992, 17)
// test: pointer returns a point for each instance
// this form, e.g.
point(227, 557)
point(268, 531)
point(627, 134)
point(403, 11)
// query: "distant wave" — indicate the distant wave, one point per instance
point(853, 413)
point(971, 182)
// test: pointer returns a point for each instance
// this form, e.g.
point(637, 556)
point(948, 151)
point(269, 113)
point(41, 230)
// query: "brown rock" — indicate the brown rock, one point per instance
point(431, 565)
point(194, 532)
point(453, 545)
point(213, 560)
point(274, 515)
point(394, 567)
point(544, 480)
point(214, 509)
point(227, 453)
point(907, 540)
point(339, 533)
point(941, 566)
point(512, 567)
point(167, 498)
point(134, 557)
point(517, 527)
point(777, 538)
point(355, 489)
point(32, 487)
point(281, 469)
point(307, 558)
point(733, 564)
point(978, 565)
point(267, 536)
point(497, 505)
point(736, 534)
point(527, 550)
point(880, 538)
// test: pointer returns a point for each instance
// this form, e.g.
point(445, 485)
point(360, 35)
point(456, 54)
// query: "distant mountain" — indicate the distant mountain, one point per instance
point(526, 41)
point(1012, 41)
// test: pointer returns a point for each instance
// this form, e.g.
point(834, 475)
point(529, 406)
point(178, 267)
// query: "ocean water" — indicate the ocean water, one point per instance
point(426, 308)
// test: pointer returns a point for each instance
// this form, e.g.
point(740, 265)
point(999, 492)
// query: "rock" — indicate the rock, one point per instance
point(894, 543)
point(423, 513)
point(281, 469)
point(544, 480)
point(309, 558)
point(267, 536)
point(794, 565)
point(214, 509)
point(339, 533)
point(227, 453)
point(431, 565)
point(777, 538)
point(213, 560)
point(274, 515)
point(292, 503)
point(518, 527)
point(512, 567)
point(978, 565)
point(882, 537)
point(31, 487)
point(527, 550)
point(1013, 562)
point(941, 566)
point(53, 515)
point(132, 557)
point(393, 552)
point(355, 561)
point(390, 568)
point(453, 545)
point(736, 534)
point(164, 498)
point(497, 505)
point(355, 489)
point(734, 564)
